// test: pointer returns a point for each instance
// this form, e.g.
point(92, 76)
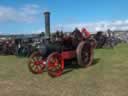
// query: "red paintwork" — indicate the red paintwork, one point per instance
point(85, 32)
point(68, 54)
point(38, 63)
point(59, 60)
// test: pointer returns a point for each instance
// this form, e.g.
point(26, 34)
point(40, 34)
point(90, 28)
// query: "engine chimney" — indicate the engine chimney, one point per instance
point(47, 23)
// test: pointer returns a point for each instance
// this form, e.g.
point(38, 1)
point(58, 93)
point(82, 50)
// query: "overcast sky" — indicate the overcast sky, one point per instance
point(26, 16)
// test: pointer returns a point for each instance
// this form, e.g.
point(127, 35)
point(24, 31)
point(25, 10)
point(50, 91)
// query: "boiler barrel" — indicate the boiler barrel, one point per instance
point(47, 49)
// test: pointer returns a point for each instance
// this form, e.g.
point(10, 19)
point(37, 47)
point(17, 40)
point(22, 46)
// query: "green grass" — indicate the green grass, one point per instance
point(107, 77)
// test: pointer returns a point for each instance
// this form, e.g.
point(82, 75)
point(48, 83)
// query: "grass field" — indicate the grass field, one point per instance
point(107, 77)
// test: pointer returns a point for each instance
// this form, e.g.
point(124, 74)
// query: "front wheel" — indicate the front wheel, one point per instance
point(36, 63)
point(55, 64)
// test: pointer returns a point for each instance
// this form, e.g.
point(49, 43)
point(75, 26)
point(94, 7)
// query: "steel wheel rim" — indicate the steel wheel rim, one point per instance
point(84, 54)
point(36, 63)
point(55, 65)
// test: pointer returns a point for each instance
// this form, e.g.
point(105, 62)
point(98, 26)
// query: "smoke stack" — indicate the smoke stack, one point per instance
point(47, 23)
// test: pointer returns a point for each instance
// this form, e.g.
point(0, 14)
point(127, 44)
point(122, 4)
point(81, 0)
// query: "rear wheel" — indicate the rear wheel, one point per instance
point(55, 64)
point(36, 63)
point(84, 54)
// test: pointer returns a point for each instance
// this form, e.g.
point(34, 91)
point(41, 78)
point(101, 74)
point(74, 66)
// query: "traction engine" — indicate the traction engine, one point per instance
point(55, 50)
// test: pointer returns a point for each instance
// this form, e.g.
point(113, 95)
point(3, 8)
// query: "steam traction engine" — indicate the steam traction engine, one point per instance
point(55, 50)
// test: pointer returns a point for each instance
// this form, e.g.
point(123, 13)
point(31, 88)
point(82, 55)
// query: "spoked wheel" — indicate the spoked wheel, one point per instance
point(55, 64)
point(36, 63)
point(84, 54)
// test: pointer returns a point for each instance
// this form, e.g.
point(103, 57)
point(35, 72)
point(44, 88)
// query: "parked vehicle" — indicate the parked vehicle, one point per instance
point(54, 51)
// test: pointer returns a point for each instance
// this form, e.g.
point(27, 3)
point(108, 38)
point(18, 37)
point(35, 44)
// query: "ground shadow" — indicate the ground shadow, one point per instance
point(72, 65)
point(95, 61)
